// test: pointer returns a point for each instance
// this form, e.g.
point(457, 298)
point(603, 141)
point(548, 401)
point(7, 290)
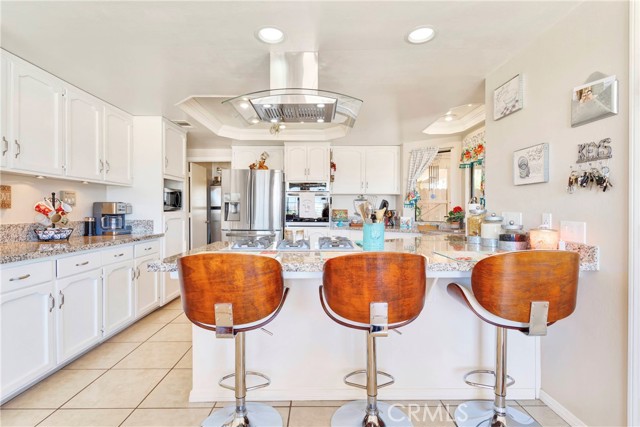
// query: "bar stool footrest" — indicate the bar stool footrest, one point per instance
point(510, 380)
point(364, 371)
point(252, 373)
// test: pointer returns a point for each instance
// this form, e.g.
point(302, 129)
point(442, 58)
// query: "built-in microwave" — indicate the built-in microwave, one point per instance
point(172, 199)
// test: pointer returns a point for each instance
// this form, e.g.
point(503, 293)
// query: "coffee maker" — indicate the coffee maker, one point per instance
point(110, 219)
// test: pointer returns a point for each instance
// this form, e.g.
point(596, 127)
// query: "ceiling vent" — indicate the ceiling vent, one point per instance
point(183, 123)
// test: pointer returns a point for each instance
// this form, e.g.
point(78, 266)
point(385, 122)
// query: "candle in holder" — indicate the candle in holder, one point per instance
point(543, 238)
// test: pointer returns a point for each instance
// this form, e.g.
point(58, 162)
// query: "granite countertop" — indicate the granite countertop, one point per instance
point(23, 251)
point(443, 253)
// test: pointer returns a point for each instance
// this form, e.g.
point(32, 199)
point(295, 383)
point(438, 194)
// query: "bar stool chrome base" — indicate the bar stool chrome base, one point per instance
point(257, 415)
point(354, 414)
point(481, 413)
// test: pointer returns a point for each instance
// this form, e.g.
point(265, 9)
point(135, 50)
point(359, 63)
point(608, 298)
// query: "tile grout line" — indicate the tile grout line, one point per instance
point(161, 379)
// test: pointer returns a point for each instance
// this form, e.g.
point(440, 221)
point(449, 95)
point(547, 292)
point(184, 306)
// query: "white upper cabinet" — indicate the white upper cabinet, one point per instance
point(118, 146)
point(348, 177)
point(175, 147)
point(381, 170)
point(83, 136)
point(306, 161)
point(366, 170)
point(242, 156)
point(36, 120)
point(4, 117)
point(51, 128)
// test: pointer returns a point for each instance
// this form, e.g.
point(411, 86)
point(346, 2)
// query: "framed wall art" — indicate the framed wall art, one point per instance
point(594, 101)
point(508, 98)
point(531, 165)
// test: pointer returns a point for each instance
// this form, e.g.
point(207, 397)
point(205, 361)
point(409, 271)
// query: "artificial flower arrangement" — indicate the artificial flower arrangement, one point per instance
point(455, 215)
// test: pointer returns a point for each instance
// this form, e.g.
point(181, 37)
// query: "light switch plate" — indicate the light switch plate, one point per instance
point(573, 231)
point(516, 217)
point(68, 197)
point(546, 220)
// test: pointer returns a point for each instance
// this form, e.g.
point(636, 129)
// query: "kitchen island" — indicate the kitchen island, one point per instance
point(309, 354)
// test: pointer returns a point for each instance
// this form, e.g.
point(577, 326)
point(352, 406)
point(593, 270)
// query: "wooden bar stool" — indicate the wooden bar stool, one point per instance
point(525, 291)
point(373, 292)
point(232, 294)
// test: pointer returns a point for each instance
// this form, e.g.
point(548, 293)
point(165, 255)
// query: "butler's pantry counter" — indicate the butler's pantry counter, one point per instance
point(308, 354)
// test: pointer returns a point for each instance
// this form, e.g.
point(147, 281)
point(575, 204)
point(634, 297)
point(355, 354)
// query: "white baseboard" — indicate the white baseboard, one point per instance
point(561, 410)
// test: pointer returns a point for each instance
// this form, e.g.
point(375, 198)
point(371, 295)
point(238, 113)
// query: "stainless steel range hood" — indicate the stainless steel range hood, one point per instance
point(293, 102)
point(294, 96)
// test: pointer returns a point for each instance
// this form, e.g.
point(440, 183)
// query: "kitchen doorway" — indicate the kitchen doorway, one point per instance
point(434, 187)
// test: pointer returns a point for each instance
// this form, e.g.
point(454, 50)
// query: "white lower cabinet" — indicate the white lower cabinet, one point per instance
point(118, 296)
point(79, 313)
point(27, 349)
point(146, 285)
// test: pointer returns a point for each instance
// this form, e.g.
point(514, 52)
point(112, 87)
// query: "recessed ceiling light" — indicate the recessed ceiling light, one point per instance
point(421, 35)
point(320, 120)
point(274, 120)
point(320, 105)
point(254, 121)
point(270, 35)
point(266, 106)
point(282, 126)
point(448, 118)
point(244, 105)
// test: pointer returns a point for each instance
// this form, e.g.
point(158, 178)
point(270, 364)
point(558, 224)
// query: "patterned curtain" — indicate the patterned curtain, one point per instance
point(473, 147)
point(419, 161)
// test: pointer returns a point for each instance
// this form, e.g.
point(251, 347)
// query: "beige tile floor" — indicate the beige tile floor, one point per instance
point(142, 377)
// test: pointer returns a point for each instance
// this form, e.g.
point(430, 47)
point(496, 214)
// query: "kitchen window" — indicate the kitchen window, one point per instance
point(434, 189)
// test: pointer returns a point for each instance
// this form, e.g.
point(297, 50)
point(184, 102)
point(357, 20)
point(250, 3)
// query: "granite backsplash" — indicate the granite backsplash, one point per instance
point(24, 232)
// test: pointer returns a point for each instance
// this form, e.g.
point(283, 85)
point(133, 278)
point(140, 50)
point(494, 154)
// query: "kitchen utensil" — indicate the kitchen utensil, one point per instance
point(357, 202)
point(380, 214)
point(384, 204)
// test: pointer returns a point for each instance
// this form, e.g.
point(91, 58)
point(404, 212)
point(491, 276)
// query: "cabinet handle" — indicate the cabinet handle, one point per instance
point(148, 249)
point(18, 147)
point(52, 302)
point(138, 270)
point(166, 228)
point(26, 276)
point(366, 185)
point(118, 255)
point(166, 161)
point(101, 165)
point(82, 263)
point(61, 300)
point(361, 185)
point(106, 162)
point(6, 146)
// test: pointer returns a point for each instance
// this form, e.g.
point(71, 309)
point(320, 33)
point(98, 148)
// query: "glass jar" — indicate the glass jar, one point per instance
point(512, 238)
point(474, 223)
point(490, 230)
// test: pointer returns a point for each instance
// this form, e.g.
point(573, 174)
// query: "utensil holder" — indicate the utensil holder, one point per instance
point(373, 236)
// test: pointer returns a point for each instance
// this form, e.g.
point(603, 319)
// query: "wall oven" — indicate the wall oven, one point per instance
point(307, 205)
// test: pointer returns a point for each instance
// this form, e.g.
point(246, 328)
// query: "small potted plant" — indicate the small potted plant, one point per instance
point(455, 217)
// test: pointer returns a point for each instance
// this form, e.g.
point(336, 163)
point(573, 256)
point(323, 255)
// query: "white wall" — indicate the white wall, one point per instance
point(584, 357)
point(27, 190)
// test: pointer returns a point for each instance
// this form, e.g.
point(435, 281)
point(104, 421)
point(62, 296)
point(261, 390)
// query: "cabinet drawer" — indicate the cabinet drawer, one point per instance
point(117, 254)
point(146, 248)
point(78, 264)
point(29, 274)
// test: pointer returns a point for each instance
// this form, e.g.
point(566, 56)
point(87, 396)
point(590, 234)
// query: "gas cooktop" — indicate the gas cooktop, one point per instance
point(335, 244)
point(252, 243)
point(298, 245)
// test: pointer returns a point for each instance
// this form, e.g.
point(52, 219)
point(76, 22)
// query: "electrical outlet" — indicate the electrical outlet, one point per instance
point(573, 231)
point(68, 197)
point(546, 220)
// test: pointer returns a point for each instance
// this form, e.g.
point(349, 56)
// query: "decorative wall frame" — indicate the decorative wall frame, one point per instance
point(531, 165)
point(508, 98)
point(594, 101)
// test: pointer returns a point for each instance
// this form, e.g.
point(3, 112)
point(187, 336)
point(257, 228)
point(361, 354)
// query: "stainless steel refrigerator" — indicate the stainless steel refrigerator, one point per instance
point(252, 203)
point(215, 217)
